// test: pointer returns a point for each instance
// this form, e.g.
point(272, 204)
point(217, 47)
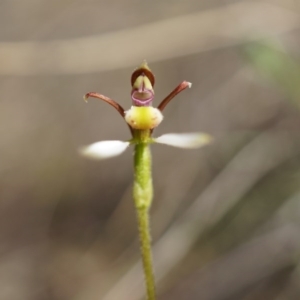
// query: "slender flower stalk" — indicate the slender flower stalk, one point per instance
point(142, 119)
point(142, 195)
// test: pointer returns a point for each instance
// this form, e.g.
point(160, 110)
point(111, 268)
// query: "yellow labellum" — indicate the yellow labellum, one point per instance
point(143, 117)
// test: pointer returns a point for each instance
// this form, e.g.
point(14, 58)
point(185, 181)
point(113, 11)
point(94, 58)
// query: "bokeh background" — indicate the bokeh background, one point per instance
point(225, 218)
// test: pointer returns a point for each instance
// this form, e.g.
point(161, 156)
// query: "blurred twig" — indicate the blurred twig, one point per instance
point(219, 27)
point(247, 265)
point(292, 289)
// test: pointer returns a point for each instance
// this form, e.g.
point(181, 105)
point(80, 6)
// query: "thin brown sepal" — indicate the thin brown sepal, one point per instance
point(113, 103)
point(182, 86)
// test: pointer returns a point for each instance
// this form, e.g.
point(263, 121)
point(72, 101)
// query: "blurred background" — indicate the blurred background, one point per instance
point(225, 218)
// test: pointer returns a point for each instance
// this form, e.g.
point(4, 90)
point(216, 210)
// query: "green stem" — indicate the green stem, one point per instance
point(145, 240)
point(142, 194)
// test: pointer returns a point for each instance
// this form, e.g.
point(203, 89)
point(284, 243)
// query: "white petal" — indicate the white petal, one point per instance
point(185, 140)
point(104, 149)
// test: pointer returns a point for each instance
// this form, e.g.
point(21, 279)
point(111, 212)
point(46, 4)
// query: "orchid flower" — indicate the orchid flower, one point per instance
point(142, 118)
